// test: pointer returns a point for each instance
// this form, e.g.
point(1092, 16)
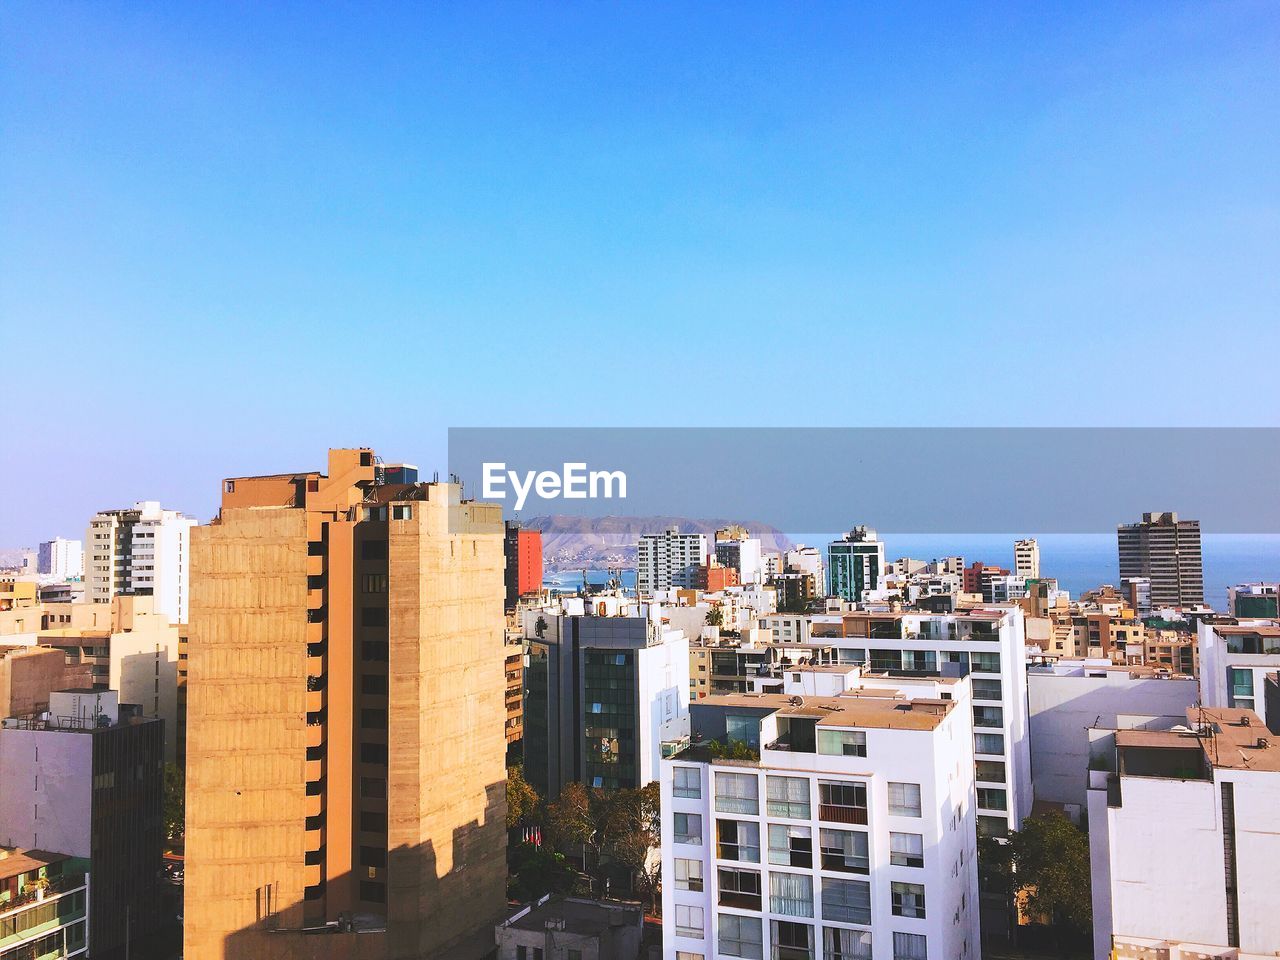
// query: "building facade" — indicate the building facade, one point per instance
point(345, 747)
point(144, 550)
point(522, 550)
point(1165, 550)
point(669, 559)
point(43, 905)
point(854, 563)
point(1026, 559)
point(61, 559)
point(848, 833)
point(1236, 656)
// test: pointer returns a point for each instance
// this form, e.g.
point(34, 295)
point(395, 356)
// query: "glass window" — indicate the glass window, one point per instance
point(842, 802)
point(687, 827)
point(790, 845)
point(743, 727)
point(906, 849)
point(908, 899)
point(688, 921)
point(792, 941)
point(991, 743)
point(688, 874)
point(844, 850)
point(1241, 682)
point(984, 689)
point(992, 771)
point(992, 798)
point(846, 901)
point(686, 782)
point(904, 799)
point(840, 944)
point(686, 955)
point(739, 888)
point(910, 946)
point(738, 840)
point(985, 662)
point(788, 797)
point(988, 717)
point(791, 894)
point(993, 826)
point(737, 793)
point(741, 937)
point(842, 743)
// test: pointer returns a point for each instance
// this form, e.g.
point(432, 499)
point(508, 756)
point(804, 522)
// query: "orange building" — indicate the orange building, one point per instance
point(345, 747)
point(523, 550)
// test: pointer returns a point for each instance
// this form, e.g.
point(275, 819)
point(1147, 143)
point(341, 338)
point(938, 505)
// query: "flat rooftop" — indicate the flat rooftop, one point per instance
point(14, 861)
point(868, 708)
point(1230, 738)
point(583, 917)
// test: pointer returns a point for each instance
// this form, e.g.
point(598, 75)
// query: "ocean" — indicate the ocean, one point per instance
point(1080, 562)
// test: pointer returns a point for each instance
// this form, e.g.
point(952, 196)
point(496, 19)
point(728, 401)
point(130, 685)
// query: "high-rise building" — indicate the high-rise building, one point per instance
point(143, 550)
point(1208, 788)
point(523, 551)
point(854, 563)
point(85, 779)
point(1026, 559)
point(669, 559)
point(848, 833)
point(601, 694)
point(61, 559)
point(1167, 551)
point(736, 548)
point(345, 748)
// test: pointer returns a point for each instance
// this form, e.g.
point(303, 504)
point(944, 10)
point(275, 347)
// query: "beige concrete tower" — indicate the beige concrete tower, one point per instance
point(345, 713)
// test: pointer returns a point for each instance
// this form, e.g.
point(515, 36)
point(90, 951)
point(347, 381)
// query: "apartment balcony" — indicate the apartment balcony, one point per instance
point(315, 702)
point(834, 813)
point(314, 770)
point(315, 598)
point(315, 566)
point(315, 736)
point(314, 807)
point(315, 664)
point(312, 874)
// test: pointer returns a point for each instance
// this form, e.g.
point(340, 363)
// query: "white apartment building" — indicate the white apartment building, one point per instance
point(669, 559)
point(1026, 559)
point(735, 548)
point(987, 644)
point(802, 559)
point(1235, 659)
point(1074, 703)
point(61, 559)
point(143, 550)
point(852, 836)
point(1184, 839)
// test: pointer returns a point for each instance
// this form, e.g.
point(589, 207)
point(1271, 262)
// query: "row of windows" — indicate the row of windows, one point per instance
point(791, 845)
point(744, 937)
point(842, 801)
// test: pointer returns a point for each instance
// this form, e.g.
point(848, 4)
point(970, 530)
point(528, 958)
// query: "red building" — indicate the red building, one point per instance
point(523, 550)
point(713, 577)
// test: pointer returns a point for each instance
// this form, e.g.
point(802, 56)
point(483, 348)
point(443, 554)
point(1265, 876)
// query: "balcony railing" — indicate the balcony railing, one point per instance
point(834, 813)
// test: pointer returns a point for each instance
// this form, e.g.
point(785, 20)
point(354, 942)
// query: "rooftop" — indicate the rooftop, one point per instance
point(869, 708)
point(583, 917)
point(1230, 738)
point(14, 861)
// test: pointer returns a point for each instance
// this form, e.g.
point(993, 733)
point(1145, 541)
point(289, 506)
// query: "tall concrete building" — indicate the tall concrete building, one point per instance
point(143, 551)
point(1165, 550)
point(669, 559)
point(1026, 559)
point(345, 748)
point(62, 559)
point(854, 563)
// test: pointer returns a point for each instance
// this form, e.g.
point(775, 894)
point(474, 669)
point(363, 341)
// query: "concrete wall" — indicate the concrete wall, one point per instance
point(47, 790)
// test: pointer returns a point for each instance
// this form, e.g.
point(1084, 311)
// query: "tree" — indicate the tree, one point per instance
point(1051, 863)
point(733, 750)
point(535, 871)
point(522, 799)
point(175, 803)
point(715, 616)
point(573, 824)
point(634, 834)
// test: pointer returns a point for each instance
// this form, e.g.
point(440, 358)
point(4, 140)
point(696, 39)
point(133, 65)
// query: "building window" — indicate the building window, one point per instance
point(846, 901)
point(844, 851)
point(985, 662)
point(910, 946)
point(840, 944)
point(906, 849)
point(372, 892)
point(792, 941)
point(790, 845)
point(686, 955)
point(738, 840)
point(986, 689)
point(737, 793)
point(988, 717)
point(373, 550)
point(989, 743)
point(688, 921)
point(374, 684)
point(687, 828)
point(743, 727)
point(401, 511)
point(788, 797)
point(741, 937)
point(842, 802)
point(993, 826)
point(688, 874)
point(991, 771)
point(1241, 688)
point(842, 743)
point(904, 799)
point(992, 798)
point(791, 894)
point(373, 753)
point(374, 583)
point(687, 782)
point(908, 899)
point(373, 616)
point(739, 888)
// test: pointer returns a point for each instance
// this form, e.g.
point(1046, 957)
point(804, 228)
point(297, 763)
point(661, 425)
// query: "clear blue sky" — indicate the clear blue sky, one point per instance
point(233, 235)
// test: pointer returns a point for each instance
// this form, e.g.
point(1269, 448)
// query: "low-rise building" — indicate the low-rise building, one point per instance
point(1184, 838)
point(839, 827)
point(571, 928)
point(44, 901)
point(1235, 657)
